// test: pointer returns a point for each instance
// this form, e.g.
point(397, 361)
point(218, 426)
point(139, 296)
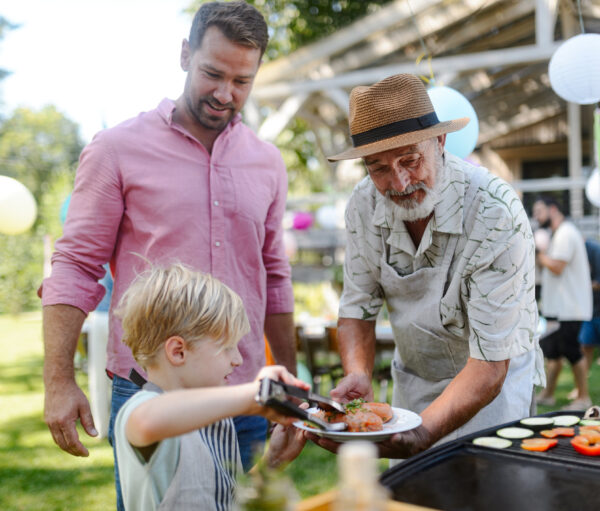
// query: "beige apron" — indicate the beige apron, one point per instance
point(427, 356)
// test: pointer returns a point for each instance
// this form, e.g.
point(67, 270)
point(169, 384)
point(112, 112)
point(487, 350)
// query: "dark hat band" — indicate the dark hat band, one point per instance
point(395, 128)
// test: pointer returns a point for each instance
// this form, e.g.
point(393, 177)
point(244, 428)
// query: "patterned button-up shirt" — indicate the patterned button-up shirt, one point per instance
point(490, 291)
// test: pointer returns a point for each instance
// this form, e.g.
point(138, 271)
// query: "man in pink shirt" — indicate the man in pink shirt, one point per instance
point(185, 182)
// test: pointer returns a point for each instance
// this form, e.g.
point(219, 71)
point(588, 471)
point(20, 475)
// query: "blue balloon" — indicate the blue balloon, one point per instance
point(64, 208)
point(450, 104)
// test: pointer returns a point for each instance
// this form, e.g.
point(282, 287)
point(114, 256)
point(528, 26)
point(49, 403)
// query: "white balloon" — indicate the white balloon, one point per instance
point(574, 69)
point(17, 207)
point(592, 188)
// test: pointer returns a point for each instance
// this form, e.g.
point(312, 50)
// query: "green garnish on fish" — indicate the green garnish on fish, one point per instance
point(356, 405)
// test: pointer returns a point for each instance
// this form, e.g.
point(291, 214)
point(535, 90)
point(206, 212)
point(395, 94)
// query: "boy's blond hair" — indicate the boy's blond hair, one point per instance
point(178, 301)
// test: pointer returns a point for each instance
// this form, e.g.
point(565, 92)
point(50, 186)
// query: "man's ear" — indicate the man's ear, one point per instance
point(186, 55)
point(442, 141)
point(175, 348)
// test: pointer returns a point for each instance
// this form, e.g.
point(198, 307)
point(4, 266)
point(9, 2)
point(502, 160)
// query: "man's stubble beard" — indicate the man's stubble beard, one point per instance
point(202, 119)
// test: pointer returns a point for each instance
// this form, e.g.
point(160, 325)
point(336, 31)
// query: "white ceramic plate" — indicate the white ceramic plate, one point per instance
point(403, 420)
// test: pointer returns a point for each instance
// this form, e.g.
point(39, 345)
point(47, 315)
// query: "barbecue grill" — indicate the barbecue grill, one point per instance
point(462, 476)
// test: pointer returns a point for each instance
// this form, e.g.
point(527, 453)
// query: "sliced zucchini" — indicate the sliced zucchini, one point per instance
point(514, 433)
point(566, 420)
point(492, 441)
point(537, 423)
point(589, 422)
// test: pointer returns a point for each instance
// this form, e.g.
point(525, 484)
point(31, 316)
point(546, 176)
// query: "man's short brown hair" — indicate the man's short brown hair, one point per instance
point(240, 22)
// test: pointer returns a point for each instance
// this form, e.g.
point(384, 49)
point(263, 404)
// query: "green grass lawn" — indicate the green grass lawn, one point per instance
point(36, 475)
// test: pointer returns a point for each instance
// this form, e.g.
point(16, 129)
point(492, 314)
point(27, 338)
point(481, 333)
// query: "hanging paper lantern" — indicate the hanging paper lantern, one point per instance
point(574, 69)
point(592, 188)
point(450, 104)
point(17, 207)
point(327, 217)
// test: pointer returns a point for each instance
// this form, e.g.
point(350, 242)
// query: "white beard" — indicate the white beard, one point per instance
point(410, 210)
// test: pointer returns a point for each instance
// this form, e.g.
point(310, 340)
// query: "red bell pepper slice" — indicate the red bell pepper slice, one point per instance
point(583, 445)
point(538, 444)
point(592, 435)
point(554, 432)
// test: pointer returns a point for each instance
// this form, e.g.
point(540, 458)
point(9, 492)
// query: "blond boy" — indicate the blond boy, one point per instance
point(175, 441)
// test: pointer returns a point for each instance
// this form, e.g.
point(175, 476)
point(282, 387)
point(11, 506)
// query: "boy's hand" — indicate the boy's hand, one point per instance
point(280, 373)
point(285, 445)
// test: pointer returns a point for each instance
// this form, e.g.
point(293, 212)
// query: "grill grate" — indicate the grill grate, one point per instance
point(562, 453)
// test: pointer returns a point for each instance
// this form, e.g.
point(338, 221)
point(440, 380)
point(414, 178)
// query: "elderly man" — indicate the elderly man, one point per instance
point(449, 248)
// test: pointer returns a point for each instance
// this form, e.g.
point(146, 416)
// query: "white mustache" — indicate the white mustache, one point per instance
point(409, 189)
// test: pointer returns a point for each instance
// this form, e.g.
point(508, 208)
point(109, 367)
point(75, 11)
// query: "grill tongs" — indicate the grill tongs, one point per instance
point(276, 394)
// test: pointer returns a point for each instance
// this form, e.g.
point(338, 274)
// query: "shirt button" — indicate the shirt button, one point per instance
point(218, 243)
point(216, 203)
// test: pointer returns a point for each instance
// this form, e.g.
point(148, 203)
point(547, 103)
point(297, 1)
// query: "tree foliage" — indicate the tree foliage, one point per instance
point(294, 23)
point(39, 149)
point(299, 22)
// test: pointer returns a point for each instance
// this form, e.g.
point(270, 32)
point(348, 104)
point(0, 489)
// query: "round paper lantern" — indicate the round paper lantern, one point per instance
point(17, 207)
point(327, 217)
point(592, 188)
point(574, 69)
point(450, 104)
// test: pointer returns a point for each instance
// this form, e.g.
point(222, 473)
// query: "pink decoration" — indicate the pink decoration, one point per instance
point(302, 220)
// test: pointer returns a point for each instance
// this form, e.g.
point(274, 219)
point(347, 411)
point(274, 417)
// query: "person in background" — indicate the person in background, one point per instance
point(566, 295)
point(187, 181)
point(175, 441)
point(589, 334)
point(449, 248)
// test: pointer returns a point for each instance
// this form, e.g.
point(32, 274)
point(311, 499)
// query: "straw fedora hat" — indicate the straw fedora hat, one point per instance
point(394, 112)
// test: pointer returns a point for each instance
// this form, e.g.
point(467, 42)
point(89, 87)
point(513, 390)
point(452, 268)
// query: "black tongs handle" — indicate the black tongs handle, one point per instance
point(274, 395)
point(313, 399)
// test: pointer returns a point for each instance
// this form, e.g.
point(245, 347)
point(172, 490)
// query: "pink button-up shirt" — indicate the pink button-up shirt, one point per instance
point(148, 187)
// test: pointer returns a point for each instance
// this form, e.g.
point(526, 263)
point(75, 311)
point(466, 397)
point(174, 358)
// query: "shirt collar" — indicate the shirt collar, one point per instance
point(447, 213)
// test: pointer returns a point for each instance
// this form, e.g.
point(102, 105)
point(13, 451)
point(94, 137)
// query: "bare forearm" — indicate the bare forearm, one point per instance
point(181, 411)
point(280, 332)
point(356, 339)
point(556, 266)
point(473, 388)
point(62, 326)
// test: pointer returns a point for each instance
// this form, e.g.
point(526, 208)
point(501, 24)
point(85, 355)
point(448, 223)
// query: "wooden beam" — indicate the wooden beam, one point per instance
point(278, 120)
point(525, 115)
point(545, 19)
point(465, 62)
point(428, 22)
